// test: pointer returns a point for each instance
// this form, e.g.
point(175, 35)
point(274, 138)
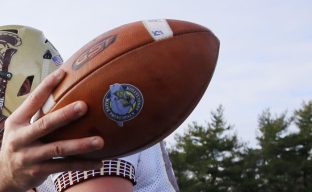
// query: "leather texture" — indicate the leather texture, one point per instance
point(172, 75)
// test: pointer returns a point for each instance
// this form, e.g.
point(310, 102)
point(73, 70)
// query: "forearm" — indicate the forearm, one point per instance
point(103, 184)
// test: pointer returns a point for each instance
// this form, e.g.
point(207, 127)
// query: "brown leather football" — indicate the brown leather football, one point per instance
point(140, 82)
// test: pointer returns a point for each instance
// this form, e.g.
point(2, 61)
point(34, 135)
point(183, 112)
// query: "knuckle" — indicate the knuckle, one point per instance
point(33, 97)
point(12, 147)
point(34, 172)
point(20, 161)
point(57, 150)
point(48, 81)
point(65, 114)
point(8, 122)
point(41, 125)
point(12, 143)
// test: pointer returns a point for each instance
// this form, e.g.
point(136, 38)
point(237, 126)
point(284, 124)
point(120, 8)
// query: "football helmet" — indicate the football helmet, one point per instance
point(26, 57)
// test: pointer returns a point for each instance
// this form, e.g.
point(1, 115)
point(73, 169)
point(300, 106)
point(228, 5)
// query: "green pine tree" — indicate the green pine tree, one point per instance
point(286, 157)
point(303, 147)
point(207, 159)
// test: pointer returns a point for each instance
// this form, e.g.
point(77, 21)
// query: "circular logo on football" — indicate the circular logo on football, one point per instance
point(122, 102)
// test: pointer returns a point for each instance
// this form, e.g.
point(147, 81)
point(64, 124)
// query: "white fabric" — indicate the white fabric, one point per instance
point(151, 172)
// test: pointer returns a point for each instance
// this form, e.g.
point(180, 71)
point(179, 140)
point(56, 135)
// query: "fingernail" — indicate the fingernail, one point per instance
point(78, 109)
point(59, 74)
point(96, 143)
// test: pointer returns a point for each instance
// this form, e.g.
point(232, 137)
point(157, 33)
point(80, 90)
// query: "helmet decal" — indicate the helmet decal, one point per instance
point(9, 41)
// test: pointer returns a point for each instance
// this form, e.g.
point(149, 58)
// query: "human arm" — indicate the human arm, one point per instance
point(104, 184)
point(25, 162)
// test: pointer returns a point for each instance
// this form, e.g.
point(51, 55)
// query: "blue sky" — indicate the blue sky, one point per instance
point(265, 57)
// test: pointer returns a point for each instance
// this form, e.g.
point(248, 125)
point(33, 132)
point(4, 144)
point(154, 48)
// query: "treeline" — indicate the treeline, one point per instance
point(211, 158)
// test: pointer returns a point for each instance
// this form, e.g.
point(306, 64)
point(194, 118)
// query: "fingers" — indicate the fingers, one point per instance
point(38, 97)
point(51, 122)
point(63, 149)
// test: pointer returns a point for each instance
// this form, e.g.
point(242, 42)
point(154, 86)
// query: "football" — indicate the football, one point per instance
point(140, 82)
